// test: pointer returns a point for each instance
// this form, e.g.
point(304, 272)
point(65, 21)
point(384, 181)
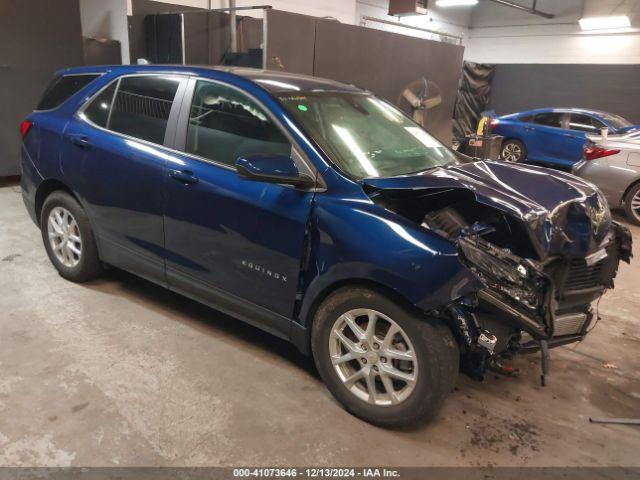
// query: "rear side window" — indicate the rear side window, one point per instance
point(549, 119)
point(136, 106)
point(141, 107)
point(225, 124)
point(585, 123)
point(61, 88)
point(98, 110)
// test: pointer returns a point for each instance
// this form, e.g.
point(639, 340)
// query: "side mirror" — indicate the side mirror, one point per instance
point(273, 169)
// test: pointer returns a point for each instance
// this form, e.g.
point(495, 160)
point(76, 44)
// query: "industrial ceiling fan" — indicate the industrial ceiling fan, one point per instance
point(421, 98)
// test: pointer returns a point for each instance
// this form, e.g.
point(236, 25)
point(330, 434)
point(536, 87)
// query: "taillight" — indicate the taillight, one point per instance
point(593, 152)
point(25, 127)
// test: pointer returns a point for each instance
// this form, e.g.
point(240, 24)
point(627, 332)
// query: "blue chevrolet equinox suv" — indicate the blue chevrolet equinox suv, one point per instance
point(322, 214)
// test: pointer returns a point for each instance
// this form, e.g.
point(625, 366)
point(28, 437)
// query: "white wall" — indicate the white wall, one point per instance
point(106, 19)
point(503, 35)
point(453, 21)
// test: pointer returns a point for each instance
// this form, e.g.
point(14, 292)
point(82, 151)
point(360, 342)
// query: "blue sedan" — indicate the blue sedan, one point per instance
point(553, 136)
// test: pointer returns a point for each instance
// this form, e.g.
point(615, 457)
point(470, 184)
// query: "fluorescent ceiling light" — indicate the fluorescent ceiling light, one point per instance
point(605, 23)
point(456, 3)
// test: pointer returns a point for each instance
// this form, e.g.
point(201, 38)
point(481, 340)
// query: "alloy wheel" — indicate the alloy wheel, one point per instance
point(373, 357)
point(511, 152)
point(64, 237)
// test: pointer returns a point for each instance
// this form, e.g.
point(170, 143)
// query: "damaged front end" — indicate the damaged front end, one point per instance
point(544, 247)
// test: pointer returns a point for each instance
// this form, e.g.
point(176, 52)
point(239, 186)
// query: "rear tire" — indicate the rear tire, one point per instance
point(68, 238)
point(632, 204)
point(415, 385)
point(513, 151)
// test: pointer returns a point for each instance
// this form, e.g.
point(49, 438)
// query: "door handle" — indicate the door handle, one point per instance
point(529, 129)
point(183, 176)
point(569, 135)
point(81, 141)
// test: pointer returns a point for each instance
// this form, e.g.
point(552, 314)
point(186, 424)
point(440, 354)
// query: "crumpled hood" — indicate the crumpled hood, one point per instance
point(563, 213)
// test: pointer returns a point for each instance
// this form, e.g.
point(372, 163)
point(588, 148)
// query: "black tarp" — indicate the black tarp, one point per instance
point(474, 93)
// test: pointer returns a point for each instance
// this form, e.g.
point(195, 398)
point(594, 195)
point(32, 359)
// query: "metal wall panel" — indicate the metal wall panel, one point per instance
point(207, 35)
point(613, 88)
point(290, 41)
point(386, 63)
point(37, 37)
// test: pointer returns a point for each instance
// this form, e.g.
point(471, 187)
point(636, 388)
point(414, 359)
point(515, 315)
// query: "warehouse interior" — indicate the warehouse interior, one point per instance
point(121, 372)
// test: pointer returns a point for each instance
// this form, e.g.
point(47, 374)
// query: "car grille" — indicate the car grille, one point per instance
point(580, 276)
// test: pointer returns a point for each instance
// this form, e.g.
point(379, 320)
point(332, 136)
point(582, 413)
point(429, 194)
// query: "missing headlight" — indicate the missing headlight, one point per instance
point(502, 271)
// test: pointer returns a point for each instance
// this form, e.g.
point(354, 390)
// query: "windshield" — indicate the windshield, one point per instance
point(364, 136)
point(615, 121)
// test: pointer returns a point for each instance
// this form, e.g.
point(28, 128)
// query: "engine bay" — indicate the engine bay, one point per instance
point(534, 298)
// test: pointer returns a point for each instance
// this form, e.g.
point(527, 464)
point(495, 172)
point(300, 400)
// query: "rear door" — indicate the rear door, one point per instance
point(233, 242)
point(548, 137)
point(114, 147)
point(523, 129)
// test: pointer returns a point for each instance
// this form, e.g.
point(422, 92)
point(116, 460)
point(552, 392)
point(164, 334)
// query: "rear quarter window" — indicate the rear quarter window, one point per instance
point(61, 88)
point(137, 106)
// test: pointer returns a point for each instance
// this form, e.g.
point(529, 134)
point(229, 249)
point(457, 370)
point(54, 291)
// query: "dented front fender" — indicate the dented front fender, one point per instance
point(352, 242)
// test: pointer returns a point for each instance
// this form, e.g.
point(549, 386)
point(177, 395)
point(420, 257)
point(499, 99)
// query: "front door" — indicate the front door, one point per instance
point(231, 241)
point(114, 147)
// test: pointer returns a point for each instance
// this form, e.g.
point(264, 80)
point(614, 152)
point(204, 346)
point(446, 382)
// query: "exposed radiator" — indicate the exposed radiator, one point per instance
point(570, 324)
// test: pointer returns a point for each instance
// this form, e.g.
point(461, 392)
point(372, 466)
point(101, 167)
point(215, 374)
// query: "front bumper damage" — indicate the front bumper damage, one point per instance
point(529, 305)
point(542, 243)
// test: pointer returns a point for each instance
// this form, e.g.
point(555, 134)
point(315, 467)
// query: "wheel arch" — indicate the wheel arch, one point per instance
point(513, 137)
point(46, 188)
point(628, 189)
point(392, 294)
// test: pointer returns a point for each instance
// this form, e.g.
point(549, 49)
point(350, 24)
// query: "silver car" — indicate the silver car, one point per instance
point(613, 164)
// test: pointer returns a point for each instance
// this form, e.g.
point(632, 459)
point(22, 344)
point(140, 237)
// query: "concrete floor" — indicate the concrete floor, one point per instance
point(121, 372)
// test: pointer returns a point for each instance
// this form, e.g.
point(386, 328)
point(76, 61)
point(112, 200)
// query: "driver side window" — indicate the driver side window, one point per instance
point(225, 124)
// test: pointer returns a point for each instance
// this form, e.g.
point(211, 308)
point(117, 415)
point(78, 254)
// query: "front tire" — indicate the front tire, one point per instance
point(513, 151)
point(68, 238)
point(632, 204)
point(384, 364)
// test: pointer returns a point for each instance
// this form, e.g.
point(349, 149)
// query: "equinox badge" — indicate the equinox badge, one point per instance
point(265, 271)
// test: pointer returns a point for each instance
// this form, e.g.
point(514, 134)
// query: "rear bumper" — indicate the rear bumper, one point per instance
point(29, 182)
point(31, 208)
point(594, 171)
